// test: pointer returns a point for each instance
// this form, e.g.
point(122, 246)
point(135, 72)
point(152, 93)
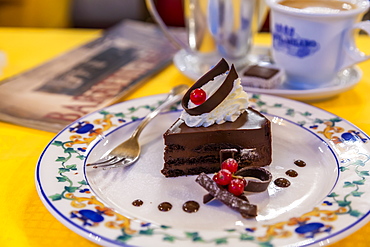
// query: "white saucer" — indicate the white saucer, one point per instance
point(344, 81)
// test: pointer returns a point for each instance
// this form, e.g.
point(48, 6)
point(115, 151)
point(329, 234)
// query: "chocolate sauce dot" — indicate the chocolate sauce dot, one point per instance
point(190, 206)
point(291, 173)
point(137, 203)
point(282, 182)
point(165, 206)
point(300, 163)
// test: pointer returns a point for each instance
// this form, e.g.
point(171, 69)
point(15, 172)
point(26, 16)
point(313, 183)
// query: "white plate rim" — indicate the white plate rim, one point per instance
point(106, 238)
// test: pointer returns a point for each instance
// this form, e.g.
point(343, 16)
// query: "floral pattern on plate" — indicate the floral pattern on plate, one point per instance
point(65, 191)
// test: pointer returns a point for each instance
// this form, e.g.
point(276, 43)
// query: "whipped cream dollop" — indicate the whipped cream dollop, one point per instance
point(228, 110)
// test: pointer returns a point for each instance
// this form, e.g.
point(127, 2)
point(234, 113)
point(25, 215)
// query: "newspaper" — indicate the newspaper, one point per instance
point(85, 79)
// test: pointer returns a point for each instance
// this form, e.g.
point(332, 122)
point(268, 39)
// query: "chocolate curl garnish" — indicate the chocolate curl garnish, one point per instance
point(260, 184)
point(221, 93)
point(262, 175)
point(264, 178)
point(246, 209)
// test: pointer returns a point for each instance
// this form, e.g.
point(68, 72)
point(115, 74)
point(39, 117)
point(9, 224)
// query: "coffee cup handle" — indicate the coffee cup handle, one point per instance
point(352, 54)
point(172, 38)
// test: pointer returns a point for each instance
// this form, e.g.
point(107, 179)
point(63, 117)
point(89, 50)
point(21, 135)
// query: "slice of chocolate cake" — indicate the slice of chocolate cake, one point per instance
point(192, 150)
point(222, 121)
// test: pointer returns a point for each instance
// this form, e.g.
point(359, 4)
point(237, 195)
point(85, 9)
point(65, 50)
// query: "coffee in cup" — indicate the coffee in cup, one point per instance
point(319, 6)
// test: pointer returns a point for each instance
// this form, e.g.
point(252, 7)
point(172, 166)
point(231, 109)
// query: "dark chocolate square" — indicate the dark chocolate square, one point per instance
point(261, 72)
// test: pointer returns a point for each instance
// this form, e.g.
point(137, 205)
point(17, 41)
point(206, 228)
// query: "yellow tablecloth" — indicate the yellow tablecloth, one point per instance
point(24, 221)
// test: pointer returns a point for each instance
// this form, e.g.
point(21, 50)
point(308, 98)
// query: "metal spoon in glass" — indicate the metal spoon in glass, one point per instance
point(128, 152)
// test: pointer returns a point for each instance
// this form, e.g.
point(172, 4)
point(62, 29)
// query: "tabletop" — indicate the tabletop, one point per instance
point(24, 219)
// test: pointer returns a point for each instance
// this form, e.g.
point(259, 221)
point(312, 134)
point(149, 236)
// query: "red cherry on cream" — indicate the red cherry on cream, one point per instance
point(198, 96)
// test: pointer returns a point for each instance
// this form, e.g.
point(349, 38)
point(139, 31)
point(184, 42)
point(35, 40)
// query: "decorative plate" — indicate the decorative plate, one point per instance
point(328, 200)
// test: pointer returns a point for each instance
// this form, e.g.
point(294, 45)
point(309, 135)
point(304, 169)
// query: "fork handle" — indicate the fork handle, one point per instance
point(175, 95)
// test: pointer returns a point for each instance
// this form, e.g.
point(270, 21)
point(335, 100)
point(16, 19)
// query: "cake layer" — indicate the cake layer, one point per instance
point(189, 147)
point(184, 168)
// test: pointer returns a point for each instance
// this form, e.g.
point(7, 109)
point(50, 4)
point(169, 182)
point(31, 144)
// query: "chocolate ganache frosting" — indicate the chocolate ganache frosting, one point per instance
point(213, 101)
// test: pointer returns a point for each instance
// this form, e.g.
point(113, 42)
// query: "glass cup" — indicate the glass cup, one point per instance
point(216, 29)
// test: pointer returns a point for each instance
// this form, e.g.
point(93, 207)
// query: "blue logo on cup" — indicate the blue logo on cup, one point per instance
point(285, 39)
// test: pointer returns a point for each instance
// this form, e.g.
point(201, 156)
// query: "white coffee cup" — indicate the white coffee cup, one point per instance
point(313, 45)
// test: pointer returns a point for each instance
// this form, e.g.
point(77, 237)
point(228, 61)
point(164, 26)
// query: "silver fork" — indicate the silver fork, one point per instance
point(128, 152)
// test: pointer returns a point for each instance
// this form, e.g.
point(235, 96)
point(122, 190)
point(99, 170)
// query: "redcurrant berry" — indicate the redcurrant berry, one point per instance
point(236, 186)
point(245, 182)
point(230, 164)
point(198, 96)
point(223, 177)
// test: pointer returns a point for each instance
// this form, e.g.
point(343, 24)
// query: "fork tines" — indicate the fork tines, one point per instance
point(111, 162)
